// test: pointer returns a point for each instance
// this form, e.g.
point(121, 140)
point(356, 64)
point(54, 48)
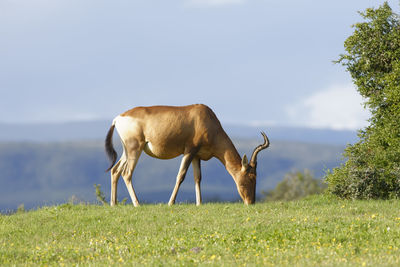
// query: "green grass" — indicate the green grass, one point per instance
point(313, 232)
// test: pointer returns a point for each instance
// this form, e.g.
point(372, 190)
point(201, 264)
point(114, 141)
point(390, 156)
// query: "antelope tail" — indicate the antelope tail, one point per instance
point(111, 153)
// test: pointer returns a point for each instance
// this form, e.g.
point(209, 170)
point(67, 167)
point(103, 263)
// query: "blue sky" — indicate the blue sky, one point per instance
point(258, 62)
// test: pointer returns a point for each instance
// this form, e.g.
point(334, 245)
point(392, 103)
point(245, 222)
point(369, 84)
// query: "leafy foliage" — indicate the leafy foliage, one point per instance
point(373, 60)
point(296, 185)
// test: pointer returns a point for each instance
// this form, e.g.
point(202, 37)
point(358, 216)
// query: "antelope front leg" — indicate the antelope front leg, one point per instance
point(187, 158)
point(197, 179)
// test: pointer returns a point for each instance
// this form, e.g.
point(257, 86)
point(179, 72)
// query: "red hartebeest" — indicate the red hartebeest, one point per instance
point(166, 132)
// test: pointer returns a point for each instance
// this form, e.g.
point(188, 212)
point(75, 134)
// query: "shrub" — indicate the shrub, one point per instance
point(295, 185)
point(373, 60)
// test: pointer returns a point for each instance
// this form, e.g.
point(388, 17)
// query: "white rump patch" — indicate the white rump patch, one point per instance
point(126, 126)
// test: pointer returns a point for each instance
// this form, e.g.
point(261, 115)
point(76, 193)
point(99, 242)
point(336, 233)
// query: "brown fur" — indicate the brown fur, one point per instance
point(166, 132)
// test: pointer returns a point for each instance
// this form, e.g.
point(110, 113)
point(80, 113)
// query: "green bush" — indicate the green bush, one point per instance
point(295, 185)
point(372, 58)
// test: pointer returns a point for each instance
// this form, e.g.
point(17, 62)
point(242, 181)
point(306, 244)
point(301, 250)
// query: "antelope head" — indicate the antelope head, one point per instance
point(246, 178)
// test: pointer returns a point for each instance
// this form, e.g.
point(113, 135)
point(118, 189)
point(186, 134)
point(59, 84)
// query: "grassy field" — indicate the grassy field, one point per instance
point(319, 231)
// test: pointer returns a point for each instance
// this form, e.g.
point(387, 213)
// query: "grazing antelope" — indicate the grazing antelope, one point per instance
point(166, 132)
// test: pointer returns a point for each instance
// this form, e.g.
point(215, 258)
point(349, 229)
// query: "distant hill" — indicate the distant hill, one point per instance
point(37, 173)
point(96, 130)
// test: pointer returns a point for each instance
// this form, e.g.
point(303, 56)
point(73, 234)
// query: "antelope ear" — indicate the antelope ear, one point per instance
point(245, 162)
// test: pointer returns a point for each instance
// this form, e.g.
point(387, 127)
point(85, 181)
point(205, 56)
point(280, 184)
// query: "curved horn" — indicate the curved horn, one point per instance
point(253, 161)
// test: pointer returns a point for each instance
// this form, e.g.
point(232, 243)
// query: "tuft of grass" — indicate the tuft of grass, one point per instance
point(100, 196)
point(316, 231)
point(21, 208)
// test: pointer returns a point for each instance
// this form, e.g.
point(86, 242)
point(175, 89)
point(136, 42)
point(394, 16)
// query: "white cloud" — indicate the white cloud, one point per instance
point(212, 3)
point(338, 107)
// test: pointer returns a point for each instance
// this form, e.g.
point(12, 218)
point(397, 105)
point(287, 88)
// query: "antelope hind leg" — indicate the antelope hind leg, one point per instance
point(115, 174)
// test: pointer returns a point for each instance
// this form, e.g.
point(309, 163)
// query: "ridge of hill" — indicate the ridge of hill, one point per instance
point(96, 130)
point(42, 173)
